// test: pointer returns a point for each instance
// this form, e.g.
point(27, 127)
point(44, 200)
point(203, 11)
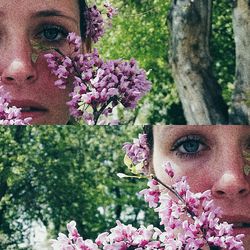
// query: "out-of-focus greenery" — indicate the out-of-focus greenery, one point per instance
point(57, 174)
point(223, 46)
point(140, 31)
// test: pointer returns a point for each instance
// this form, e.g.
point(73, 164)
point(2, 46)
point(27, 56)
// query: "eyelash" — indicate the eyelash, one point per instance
point(61, 31)
point(187, 139)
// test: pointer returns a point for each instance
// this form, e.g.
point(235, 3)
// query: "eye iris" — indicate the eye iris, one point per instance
point(191, 146)
point(51, 34)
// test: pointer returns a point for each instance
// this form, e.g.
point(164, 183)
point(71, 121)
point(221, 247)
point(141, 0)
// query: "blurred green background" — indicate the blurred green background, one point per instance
point(50, 175)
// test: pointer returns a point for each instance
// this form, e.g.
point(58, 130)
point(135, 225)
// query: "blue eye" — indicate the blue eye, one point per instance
point(52, 33)
point(189, 146)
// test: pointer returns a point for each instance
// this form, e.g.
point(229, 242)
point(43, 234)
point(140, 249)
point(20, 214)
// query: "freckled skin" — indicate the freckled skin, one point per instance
point(20, 76)
point(219, 165)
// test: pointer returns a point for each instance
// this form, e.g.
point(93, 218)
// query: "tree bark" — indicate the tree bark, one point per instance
point(240, 110)
point(199, 92)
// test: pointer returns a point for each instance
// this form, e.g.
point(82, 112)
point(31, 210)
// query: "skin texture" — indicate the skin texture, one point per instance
point(28, 82)
point(216, 163)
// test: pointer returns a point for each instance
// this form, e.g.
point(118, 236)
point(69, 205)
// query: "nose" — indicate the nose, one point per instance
point(18, 67)
point(230, 186)
point(231, 183)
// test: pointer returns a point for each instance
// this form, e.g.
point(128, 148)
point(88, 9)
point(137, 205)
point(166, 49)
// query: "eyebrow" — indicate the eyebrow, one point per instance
point(52, 13)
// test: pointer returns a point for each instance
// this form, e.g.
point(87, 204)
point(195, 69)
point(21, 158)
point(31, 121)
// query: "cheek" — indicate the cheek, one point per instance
point(46, 82)
point(198, 172)
point(246, 242)
point(50, 95)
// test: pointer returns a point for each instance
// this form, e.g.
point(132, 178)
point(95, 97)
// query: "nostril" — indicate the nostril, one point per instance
point(29, 77)
point(18, 79)
point(220, 192)
point(242, 191)
point(9, 78)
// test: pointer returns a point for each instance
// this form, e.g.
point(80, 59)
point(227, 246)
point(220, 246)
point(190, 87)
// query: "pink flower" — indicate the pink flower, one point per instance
point(111, 11)
point(62, 243)
point(95, 28)
point(97, 85)
point(190, 220)
point(102, 239)
point(10, 115)
point(138, 152)
point(85, 244)
point(152, 194)
point(73, 233)
point(168, 169)
point(76, 42)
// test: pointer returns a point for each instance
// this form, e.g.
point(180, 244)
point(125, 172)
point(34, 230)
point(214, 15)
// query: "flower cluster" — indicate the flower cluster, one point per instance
point(98, 86)
point(137, 154)
point(119, 238)
point(95, 28)
point(96, 22)
point(10, 115)
point(191, 221)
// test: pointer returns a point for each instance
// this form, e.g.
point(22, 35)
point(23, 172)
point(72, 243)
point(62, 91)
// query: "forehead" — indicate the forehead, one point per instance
point(163, 133)
point(25, 7)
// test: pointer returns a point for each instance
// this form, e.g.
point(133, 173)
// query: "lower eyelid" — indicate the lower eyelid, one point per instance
point(189, 155)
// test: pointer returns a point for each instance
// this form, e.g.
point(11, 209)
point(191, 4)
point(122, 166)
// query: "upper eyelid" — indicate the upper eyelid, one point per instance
point(51, 22)
point(178, 142)
point(41, 26)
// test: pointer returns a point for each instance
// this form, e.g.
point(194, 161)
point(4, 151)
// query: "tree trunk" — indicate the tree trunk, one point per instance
point(200, 94)
point(240, 111)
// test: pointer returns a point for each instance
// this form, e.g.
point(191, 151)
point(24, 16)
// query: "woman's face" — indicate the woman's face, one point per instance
point(31, 85)
point(212, 158)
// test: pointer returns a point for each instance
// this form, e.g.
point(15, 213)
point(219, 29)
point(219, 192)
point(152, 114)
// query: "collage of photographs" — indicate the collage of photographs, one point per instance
point(124, 124)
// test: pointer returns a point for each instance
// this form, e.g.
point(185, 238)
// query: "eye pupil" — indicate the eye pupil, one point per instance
point(191, 146)
point(51, 34)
